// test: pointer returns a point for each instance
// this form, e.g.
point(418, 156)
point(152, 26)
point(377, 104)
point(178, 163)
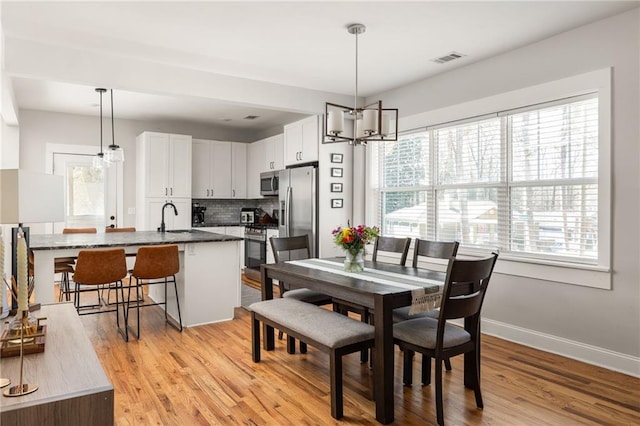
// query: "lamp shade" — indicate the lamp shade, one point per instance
point(29, 197)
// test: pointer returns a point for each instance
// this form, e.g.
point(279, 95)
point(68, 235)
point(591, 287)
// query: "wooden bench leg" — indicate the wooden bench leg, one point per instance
point(303, 347)
point(336, 384)
point(426, 370)
point(255, 338)
point(291, 345)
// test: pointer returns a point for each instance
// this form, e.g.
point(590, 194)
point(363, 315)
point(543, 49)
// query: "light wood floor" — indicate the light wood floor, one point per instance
point(205, 376)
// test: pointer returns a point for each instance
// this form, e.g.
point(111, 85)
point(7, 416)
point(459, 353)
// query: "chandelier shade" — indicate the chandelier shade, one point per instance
point(359, 125)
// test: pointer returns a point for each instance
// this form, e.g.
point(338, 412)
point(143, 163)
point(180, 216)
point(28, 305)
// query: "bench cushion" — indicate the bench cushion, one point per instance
point(328, 328)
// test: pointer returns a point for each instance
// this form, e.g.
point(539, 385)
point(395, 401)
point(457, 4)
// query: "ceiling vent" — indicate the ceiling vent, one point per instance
point(448, 58)
point(251, 117)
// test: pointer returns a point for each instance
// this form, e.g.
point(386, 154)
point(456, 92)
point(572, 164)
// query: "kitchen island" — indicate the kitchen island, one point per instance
point(208, 281)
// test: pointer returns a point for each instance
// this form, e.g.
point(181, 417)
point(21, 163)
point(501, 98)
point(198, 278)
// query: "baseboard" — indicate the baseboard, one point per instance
point(601, 357)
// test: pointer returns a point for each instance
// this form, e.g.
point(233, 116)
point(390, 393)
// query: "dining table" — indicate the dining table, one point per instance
point(381, 288)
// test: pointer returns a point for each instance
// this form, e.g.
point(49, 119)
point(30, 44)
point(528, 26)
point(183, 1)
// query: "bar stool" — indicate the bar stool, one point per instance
point(64, 265)
point(156, 265)
point(109, 229)
point(95, 268)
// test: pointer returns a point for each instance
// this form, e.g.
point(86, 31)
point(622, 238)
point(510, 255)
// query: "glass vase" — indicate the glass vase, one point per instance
point(354, 262)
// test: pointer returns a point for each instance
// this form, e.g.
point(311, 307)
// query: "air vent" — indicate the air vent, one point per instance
point(447, 58)
point(251, 117)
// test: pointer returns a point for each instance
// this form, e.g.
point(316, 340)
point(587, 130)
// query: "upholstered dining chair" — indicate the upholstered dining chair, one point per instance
point(434, 250)
point(96, 268)
point(463, 294)
point(392, 245)
point(296, 248)
point(156, 265)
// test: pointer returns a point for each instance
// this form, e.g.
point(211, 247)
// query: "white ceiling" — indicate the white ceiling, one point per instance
point(300, 44)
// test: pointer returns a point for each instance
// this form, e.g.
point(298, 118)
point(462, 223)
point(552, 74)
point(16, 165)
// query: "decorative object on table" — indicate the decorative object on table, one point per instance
point(28, 197)
point(336, 203)
point(336, 157)
point(370, 122)
point(24, 327)
point(3, 381)
point(336, 187)
point(336, 172)
point(353, 240)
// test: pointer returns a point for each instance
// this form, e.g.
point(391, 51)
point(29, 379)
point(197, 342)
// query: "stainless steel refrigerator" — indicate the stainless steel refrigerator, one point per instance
point(298, 197)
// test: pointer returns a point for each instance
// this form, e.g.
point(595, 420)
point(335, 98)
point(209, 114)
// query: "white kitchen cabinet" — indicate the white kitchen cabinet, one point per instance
point(301, 141)
point(238, 170)
point(274, 153)
point(236, 231)
point(153, 214)
point(163, 165)
point(219, 169)
point(255, 165)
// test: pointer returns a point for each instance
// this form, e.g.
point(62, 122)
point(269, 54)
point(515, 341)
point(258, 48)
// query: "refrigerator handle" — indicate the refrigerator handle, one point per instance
point(288, 212)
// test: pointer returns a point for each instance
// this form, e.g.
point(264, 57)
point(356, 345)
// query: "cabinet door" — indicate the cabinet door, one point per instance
point(278, 152)
point(310, 136)
point(201, 169)
point(180, 166)
point(292, 143)
point(156, 151)
point(255, 165)
point(238, 170)
point(221, 171)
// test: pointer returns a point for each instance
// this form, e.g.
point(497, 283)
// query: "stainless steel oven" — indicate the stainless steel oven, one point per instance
point(255, 250)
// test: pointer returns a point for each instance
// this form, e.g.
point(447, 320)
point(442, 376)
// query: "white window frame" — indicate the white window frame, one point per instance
point(597, 275)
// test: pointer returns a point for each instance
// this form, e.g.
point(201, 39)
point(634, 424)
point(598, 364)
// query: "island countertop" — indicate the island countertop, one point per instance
point(123, 239)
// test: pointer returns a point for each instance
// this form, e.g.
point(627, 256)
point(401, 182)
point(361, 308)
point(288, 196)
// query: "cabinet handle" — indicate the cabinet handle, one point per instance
point(171, 191)
point(233, 193)
point(166, 192)
point(207, 192)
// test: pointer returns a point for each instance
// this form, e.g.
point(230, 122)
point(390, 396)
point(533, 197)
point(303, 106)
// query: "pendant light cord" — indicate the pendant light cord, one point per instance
point(355, 100)
point(100, 122)
point(113, 136)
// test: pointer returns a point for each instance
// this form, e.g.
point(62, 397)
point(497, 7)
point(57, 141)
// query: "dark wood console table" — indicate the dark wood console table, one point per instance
point(73, 388)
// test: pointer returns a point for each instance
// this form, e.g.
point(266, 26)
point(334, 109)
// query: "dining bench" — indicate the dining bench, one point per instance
point(325, 330)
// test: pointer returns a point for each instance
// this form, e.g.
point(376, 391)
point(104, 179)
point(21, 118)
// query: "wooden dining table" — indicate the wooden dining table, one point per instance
point(382, 298)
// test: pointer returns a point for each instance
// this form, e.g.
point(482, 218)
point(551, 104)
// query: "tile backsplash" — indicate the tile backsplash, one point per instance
point(228, 211)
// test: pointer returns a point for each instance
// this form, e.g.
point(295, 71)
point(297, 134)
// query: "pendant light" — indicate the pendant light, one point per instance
point(370, 122)
point(98, 159)
point(114, 153)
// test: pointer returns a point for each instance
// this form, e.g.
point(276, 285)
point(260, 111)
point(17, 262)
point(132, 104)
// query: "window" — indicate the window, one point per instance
point(524, 181)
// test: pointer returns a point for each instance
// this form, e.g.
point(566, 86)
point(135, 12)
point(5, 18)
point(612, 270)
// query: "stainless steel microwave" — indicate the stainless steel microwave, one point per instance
point(269, 183)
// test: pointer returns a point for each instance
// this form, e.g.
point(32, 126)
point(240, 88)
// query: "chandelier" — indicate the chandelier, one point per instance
point(363, 124)
point(114, 153)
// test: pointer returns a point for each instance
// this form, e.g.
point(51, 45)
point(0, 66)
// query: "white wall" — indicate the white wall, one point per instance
point(37, 128)
point(600, 326)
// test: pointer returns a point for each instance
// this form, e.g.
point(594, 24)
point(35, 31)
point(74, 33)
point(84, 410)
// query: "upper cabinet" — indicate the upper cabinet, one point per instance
point(219, 169)
point(274, 153)
point(163, 164)
point(301, 141)
point(238, 170)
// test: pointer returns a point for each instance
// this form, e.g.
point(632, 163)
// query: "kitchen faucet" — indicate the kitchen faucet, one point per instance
point(161, 229)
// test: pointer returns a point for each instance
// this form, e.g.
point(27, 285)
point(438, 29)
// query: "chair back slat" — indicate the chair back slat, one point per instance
point(290, 248)
point(434, 249)
point(465, 287)
point(392, 245)
point(153, 262)
point(95, 267)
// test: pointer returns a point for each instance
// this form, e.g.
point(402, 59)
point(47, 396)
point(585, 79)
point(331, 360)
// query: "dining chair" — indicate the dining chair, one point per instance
point(434, 250)
point(392, 245)
point(296, 248)
point(155, 265)
point(463, 294)
point(95, 268)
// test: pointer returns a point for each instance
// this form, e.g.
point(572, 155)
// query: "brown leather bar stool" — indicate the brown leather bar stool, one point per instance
point(64, 265)
point(109, 229)
point(96, 268)
point(156, 265)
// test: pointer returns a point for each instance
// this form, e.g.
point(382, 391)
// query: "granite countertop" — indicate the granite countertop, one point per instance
point(123, 239)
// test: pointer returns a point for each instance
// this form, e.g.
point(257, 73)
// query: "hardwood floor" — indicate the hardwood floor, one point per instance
point(205, 376)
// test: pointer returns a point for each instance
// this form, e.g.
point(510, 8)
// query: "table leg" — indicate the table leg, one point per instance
point(267, 294)
point(383, 360)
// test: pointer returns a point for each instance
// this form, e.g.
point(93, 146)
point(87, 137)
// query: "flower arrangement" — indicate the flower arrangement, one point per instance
point(353, 239)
